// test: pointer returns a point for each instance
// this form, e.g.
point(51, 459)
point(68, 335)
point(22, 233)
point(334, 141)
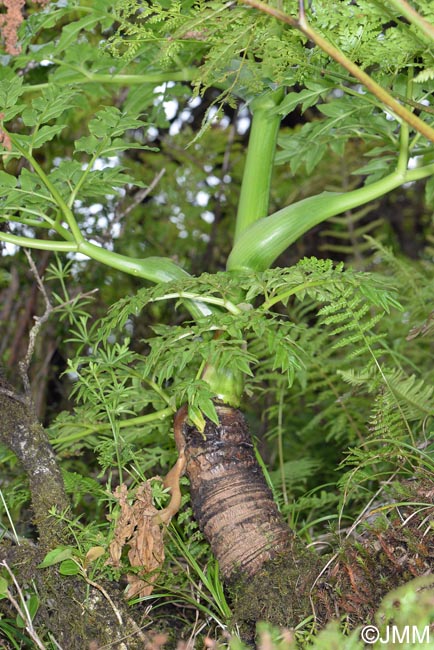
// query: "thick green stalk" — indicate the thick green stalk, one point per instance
point(258, 168)
point(226, 384)
point(253, 205)
point(154, 269)
point(266, 239)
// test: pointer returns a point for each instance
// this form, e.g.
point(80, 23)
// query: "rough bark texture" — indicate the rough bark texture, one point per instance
point(23, 435)
point(270, 574)
point(268, 571)
point(230, 497)
point(78, 615)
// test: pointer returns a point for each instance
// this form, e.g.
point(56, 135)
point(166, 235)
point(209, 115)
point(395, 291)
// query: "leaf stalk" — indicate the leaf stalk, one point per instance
point(255, 188)
point(386, 98)
point(266, 239)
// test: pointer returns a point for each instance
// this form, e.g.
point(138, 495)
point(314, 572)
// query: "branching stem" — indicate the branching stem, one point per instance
point(66, 211)
point(266, 239)
point(386, 98)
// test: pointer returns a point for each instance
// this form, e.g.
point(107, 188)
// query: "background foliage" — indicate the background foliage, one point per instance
point(336, 354)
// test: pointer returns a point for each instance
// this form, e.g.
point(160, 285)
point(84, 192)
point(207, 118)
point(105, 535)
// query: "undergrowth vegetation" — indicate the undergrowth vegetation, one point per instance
point(339, 369)
point(321, 334)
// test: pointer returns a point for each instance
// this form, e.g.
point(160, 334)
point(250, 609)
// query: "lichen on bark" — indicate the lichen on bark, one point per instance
point(22, 434)
point(72, 610)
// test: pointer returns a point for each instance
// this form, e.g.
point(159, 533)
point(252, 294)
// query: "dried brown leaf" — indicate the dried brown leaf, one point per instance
point(136, 527)
point(93, 554)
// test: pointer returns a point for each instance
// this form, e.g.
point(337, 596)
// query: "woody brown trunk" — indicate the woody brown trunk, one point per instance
point(231, 499)
point(271, 574)
point(267, 569)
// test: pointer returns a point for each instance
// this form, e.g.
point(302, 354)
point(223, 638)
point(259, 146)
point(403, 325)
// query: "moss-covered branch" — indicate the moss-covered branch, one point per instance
point(22, 434)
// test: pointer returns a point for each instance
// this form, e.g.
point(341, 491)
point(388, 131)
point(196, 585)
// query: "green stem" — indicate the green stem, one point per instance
point(67, 213)
point(90, 429)
point(210, 300)
point(258, 168)
point(47, 222)
point(85, 174)
point(155, 387)
point(291, 292)
point(377, 90)
point(84, 77)
point(269, 237)
point(154, 269)
point(404, 134)
point(227, 384)
point(44, 197)
point(40, 244)
point(414, 17)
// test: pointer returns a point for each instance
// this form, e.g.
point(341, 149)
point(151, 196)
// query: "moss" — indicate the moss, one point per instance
point(74, 613)
point(278, 593)
point(391, 553)
point(23, 435)
point(286, 590)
